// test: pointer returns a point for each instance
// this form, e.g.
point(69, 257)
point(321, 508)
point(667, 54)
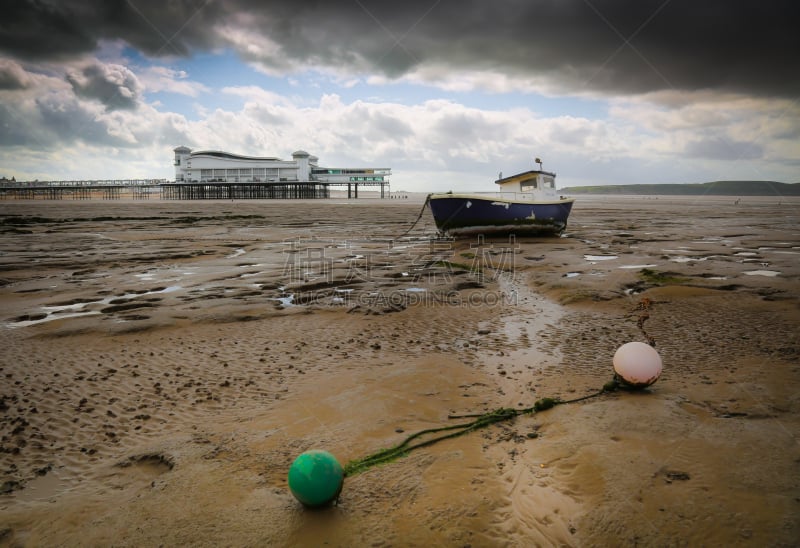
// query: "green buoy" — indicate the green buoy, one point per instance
point(316, 478)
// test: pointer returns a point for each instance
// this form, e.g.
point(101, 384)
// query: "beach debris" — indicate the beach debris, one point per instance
point(672, 475)
point(316, 478)
point(154, 459)
point(637, 364)
point(9, 486)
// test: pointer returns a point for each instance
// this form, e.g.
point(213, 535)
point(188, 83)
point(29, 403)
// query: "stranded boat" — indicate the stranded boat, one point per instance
point(526, 204)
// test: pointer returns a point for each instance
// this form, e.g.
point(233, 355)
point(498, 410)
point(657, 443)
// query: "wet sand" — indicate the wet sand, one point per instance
point(163, 363)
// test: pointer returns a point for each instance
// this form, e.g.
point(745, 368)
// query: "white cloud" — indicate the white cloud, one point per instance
point(715, 127)
point(431, 145)
point(12, 75)
point(255, 94)
point(159, 78)
point(443, 77)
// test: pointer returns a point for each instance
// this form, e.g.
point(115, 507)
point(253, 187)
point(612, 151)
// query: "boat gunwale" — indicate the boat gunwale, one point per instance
point(500, 197)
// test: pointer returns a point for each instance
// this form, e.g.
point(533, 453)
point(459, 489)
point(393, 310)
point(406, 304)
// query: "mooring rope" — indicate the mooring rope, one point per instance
point(481, 420)
point(645, 305)
point(421, 211)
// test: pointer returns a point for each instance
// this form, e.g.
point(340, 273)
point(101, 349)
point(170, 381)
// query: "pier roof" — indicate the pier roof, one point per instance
point(231, 156)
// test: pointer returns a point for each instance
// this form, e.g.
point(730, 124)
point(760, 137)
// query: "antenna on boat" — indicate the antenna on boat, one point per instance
point(539, 161)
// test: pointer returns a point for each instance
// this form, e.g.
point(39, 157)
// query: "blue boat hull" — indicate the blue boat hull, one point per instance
point(466, 215)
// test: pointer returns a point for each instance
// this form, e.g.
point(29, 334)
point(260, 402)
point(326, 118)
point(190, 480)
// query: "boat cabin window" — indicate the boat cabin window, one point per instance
point(528, 185)
point(548, 182)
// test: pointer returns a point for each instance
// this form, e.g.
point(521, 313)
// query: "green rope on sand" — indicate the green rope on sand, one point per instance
point(481, 420)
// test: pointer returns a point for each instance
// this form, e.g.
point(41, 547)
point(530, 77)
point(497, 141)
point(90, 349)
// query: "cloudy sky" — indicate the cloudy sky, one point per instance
point(448, 93)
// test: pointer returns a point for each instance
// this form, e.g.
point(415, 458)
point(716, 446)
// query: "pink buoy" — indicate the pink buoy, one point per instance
point(637, 364)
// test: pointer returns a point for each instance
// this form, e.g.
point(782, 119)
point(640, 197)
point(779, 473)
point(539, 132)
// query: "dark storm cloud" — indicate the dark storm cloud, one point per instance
point(581, 45)
point(51, 29)
point(113, 85)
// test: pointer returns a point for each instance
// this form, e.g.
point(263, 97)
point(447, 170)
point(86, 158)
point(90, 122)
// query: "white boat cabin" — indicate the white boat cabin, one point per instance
point(536, 182)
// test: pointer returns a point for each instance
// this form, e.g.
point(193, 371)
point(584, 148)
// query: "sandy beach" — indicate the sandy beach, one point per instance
point(163, 363)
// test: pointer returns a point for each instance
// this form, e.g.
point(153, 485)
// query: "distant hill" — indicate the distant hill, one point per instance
point(716, 188)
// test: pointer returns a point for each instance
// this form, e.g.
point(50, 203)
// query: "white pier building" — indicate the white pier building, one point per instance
point(214, 166)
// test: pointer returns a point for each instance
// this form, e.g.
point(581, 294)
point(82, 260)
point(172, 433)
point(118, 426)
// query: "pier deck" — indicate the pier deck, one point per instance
point(144, 189)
